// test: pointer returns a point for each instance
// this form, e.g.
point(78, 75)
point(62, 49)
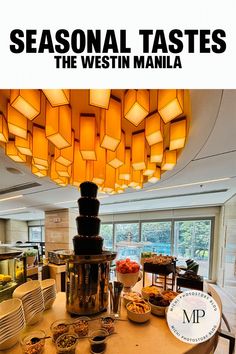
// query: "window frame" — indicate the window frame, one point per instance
point(172, 221)
point(41, 227)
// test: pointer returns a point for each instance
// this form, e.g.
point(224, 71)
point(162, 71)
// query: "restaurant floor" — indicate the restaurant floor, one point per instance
point(229, 310)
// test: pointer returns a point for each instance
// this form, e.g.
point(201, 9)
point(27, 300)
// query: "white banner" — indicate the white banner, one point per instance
point(125, 44)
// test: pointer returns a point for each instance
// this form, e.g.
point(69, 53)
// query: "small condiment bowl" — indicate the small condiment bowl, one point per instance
point(66, 343)
point(108, 323)
point(98, 341)
point(36, 347)
point(59, 327)
point(81, 326)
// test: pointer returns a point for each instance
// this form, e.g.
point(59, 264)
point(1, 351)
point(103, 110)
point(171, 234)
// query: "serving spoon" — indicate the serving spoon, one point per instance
point(35, 340)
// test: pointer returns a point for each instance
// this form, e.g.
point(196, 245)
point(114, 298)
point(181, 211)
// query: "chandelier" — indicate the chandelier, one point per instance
point(115, 138)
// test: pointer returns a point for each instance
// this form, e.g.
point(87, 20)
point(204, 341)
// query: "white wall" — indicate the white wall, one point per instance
point(227, 248)
point(16, 230)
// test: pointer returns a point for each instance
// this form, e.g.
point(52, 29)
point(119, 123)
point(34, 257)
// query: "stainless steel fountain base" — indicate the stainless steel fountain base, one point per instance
point(87, 279)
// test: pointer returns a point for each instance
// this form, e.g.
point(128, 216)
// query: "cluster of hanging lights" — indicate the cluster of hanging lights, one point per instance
point(98, 151)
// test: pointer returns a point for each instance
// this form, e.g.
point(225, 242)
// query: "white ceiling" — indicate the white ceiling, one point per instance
point(209, 154)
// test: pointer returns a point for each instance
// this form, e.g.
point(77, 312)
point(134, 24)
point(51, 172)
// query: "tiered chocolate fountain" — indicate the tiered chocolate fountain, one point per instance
point(88, 268)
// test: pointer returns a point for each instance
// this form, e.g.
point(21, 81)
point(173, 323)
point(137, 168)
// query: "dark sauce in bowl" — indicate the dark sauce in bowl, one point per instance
point(98, 347)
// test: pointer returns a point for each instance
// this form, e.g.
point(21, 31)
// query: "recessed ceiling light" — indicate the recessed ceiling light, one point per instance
point(8, 210)
point(189, 184)
point(14, 171)
point(10, 198)
point(65, 202)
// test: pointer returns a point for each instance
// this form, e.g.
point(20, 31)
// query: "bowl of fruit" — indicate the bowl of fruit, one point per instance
point(128, 273)
point(158, 304)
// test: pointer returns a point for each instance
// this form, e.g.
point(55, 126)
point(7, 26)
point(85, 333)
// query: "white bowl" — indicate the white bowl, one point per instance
point(128, 279)
point(26, 288)
point(10, 306)
point(146, 294)
point(46, 283)
point(158, 310)
point(7, 344)
point(48, 304)
point(36, 317)
point(127, 297)
point(138, 317)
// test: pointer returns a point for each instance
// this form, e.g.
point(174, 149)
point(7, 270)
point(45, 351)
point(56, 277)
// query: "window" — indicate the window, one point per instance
point(36, 233)
point(189, 238)
point(126, 232)
point(107, 234)
point(126, 238)
point(157, 235)
point(192, 240)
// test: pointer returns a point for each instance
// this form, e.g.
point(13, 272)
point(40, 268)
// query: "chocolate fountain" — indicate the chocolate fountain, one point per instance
point(87, 275)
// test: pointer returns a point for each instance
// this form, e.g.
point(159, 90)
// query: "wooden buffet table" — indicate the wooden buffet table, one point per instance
point(152, 337)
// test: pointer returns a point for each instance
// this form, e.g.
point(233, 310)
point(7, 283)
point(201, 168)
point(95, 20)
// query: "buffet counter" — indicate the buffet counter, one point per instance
point(131, 338)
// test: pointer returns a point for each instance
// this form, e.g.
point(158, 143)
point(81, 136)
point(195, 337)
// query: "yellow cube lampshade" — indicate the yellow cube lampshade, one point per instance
point(12, 152)
point(78, 167)
point(150, 169)
point(87, 137)
point(65, 156)
point(99, 98)
point(63, 182)
point(170, 104)
point(3, 129)
point(120, 183)
point(57, 97)
point(58, 125)
point(138, 151)
point(169, 160)
point(17, 123)
point(110, 126)
point(27, 102)
point(37, 172)
point(119, 190)
point(136, 178)
point(40, 148)
point(125, 169)
point(136, 105)
point(89, 170)
point(99, 166)
point(25, 146)
point(117, 158)
point(63, 171)
point(153, 129)
point(177, 134)
point(110, 180)
point(53, 173)
point(156, 154)
point(156, 176)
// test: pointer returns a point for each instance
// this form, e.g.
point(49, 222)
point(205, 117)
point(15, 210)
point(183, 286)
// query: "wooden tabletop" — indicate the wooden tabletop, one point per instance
point(153, 337)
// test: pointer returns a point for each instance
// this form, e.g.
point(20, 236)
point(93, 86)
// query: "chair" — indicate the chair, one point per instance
point(224, 334)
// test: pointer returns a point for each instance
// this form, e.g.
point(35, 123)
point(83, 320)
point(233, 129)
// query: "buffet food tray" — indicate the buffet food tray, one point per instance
point(190, 283)
point(162, 269)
